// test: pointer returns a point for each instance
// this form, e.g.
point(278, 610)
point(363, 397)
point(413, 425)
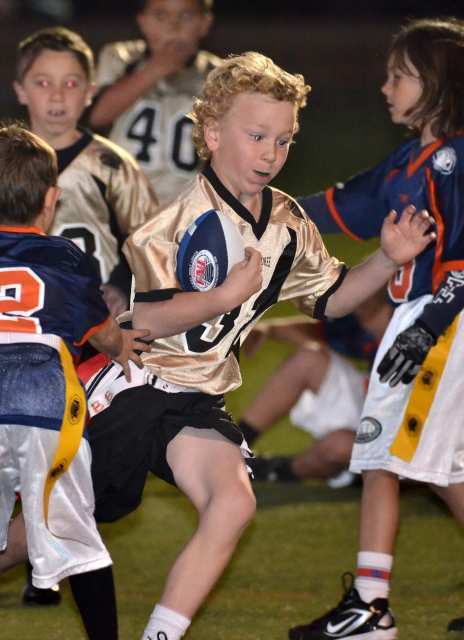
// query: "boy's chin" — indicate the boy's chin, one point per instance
point(176, 47)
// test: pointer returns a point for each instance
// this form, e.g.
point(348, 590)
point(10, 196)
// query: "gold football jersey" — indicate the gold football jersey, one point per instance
point(155, 129)
point(296, 266)
point(105, 196)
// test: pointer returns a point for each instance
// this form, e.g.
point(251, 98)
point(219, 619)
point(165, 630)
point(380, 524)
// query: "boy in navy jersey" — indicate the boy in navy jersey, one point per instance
point(50, 305)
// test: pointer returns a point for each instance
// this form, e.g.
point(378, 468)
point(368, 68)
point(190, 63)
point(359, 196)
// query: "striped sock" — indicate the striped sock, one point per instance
point(373, 575)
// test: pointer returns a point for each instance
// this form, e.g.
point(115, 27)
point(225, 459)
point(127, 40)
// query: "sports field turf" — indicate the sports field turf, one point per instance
point(288, 565)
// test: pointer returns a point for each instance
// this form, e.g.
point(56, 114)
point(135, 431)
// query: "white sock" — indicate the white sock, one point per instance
point(165, 624)
point(373, 575)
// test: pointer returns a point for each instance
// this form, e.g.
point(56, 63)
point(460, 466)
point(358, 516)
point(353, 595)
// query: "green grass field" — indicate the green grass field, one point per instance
point(287, 568)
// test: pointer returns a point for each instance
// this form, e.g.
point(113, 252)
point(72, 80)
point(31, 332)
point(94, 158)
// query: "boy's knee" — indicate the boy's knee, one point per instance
point(311, 354)
point(338, 446)
point(240, 509)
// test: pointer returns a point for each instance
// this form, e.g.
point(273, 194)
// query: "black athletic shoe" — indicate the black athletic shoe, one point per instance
point(274, 469)
point(41, 597)
point(457, 624)
point(351, 618)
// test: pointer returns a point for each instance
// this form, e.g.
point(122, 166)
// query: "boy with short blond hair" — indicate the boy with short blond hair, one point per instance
point(147, 87)
point(105, 195)
point(245, 121)
point(50, 306)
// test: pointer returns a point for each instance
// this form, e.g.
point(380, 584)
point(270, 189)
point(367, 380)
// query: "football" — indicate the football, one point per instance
point(208, 250)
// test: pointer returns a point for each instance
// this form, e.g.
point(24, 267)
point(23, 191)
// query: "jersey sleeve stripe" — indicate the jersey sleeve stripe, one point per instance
point(92, 331)
point(329, 197)
point(156, 296)
point(321, 303)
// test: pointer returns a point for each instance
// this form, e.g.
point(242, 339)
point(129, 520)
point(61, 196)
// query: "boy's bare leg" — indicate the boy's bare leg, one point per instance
point(378, 529)
point(379, 511)
point(453, 496)
point(305, 369)
point(212, 474)
point(326, 457)
point(16, 551)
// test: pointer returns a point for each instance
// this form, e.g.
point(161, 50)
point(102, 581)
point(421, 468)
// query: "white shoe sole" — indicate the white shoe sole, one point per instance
point(379, 634)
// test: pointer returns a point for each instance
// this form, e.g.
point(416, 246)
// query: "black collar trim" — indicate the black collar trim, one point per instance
point(66, 156)
point(260, 226)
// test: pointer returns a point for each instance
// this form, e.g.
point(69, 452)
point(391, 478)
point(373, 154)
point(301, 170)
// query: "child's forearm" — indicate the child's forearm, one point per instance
point(189, 309)
point(118, 97)
point(109, 339)
point(360, 283)
point(182, 312)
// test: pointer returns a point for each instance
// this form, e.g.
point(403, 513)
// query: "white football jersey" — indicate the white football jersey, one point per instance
point(296, 266)
point(156, 129)
point(104, 197)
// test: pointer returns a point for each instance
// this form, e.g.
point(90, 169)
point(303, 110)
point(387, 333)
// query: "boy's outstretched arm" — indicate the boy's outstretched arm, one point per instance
point(189, 309)
point(400, 242)
point(120, 344)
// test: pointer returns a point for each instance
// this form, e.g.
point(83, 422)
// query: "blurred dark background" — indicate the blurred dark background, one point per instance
point(339, 47)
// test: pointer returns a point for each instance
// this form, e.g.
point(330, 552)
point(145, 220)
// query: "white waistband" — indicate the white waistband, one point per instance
point(169, 387)
point(13, 337)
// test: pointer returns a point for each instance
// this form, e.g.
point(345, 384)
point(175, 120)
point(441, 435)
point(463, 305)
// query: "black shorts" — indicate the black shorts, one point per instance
point(130, 438)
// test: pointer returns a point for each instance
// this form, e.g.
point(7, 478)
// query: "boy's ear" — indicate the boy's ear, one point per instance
point(211, 134)
point(50, 202)
point(20, 93)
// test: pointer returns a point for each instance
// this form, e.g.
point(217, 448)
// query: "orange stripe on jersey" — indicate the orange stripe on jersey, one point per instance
point(8, 229)
point(453, 265)
point(92, 331)
point(437, 269)
point(422, 157)
point(391, 174)
point(329, 198)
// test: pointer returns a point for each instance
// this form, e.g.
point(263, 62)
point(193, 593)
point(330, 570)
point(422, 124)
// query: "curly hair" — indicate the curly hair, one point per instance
point(249, 72)
point(435, 46)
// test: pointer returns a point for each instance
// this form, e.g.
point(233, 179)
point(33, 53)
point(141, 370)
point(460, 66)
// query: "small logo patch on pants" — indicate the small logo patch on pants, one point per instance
point(369, 429)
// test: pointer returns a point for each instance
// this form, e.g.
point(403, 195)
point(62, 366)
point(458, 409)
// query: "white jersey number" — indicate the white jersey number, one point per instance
point(88, 242)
